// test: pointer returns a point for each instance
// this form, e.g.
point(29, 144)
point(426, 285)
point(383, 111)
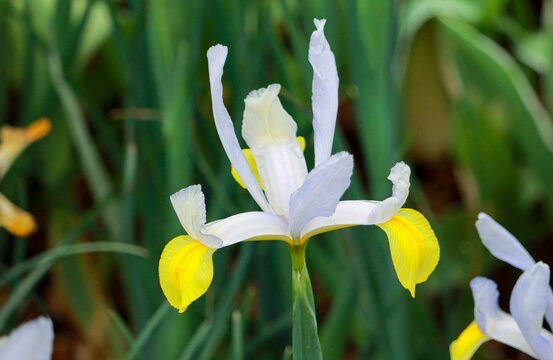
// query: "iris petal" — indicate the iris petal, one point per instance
point(185, 271)
point(528, 303)
point(32, 340)
point(399, 176)
point(413, 245)
point(14, 140)
point(189, 204)
point(325, 92)
point(467, 343)
point(216, 57)
point(16, 221)
point(502, 244)
point(320, 193)
point(251, 161)
point(493, 321)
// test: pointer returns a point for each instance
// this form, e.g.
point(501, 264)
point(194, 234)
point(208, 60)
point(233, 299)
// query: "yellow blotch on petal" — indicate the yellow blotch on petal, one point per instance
point(251, 161)
point(16, 221)
point(414, 247)
point(185, 271)
point(467, 343)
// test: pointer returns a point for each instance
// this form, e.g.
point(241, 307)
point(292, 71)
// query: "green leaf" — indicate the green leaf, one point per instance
point(488, 68)
point(148, 330)
point(20, 293)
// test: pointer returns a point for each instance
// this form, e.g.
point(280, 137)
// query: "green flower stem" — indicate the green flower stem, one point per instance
point(305, 340)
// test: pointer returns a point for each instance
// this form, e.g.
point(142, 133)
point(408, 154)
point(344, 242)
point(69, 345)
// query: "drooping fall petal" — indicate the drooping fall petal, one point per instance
point(413, 245)
point(464, 347)
point(185, 271)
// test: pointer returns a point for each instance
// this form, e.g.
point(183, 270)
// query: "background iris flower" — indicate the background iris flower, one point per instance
point(12, 143)
point(32, 340)
point(531, 299)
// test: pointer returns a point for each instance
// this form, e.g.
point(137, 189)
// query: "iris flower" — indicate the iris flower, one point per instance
point(296, 204)
point(12, 142)
point(531, 299)
point(32, 340)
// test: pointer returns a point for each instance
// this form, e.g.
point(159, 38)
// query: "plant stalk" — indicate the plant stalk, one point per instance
point(305, 340)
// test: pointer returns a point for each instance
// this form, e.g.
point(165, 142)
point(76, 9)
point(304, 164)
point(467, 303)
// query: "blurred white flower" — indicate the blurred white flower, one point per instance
point(32, 340)
point(530, 301)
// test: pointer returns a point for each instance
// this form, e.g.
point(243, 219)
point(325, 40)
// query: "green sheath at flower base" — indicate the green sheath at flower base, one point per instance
point(305, 339)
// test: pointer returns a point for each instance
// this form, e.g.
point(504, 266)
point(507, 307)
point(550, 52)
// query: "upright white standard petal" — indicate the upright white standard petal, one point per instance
point(386, 209)
point(320, 193)
point(189, 204)
point(502, 244)
point(265, 120)
point(528, 304)
point(30, 341)
point(254, 225)
point(271, 135)
point(491, 320)
point(216, 56)
point(325, 92)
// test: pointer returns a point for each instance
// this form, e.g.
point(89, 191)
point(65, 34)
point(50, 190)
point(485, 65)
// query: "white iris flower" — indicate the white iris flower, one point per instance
point(531, 300)
point(31, 341)
point(296, 204)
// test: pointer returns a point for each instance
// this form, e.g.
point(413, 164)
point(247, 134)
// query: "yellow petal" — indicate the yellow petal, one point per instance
point(14, 140)
point(251, 161)
point(413, 245)
point(467, 343)
point(301, 140)
point(18, 222)
point(185, 271)
point(38, 129)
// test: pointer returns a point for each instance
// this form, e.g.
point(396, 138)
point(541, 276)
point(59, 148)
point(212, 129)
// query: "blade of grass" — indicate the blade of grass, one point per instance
point(274, 328)
point(148, 330)
point(333, 333)
point(69, 238)
point(21, 292)
point(52, 255)
point(237, 336)
point(122, 327)
point(196, 341)
point(90, 160)
point(224, 307)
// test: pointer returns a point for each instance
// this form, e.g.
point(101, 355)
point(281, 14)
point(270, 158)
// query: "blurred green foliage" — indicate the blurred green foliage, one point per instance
point(462, 90)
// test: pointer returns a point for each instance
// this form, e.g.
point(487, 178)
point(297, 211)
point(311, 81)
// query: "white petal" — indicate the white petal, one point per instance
point(348, 213)
point(386, 209)
point(265, 120)
point(216, 56)
point(320, 193)
point(549, 309)
point(528, 303)
point(30, 341)
point(255, 225)
point(189, 204)
point(502, 244)
point(271, 134)
point(325, 92)
point(491, 320)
